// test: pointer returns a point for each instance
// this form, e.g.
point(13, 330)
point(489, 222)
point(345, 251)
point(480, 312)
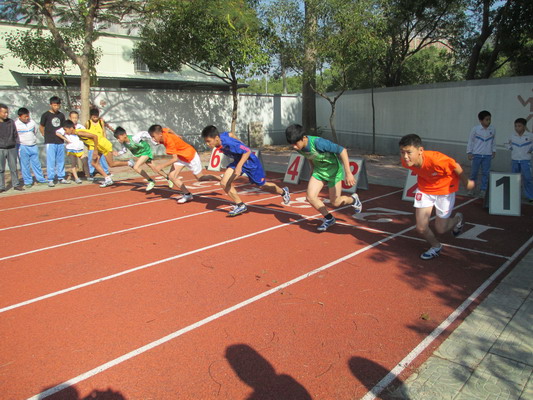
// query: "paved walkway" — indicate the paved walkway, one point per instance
point(490, 354)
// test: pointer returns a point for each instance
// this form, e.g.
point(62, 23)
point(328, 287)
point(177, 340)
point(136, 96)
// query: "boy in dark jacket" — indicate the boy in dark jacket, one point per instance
point(8, 149)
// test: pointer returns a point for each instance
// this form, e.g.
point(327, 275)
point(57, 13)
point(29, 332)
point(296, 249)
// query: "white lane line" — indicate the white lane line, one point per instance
point(423, 345)
point(141, 267)
point(211, 318)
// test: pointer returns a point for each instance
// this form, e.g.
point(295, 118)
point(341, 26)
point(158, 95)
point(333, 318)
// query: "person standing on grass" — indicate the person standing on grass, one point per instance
point(9, 139)
point(244, 161)
point(51, 121)
point(438, 179)
point(28, 150)
point(330, 166)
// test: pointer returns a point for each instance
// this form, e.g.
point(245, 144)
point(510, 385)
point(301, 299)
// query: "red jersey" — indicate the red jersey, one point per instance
point(176, 145)
point(436, 175)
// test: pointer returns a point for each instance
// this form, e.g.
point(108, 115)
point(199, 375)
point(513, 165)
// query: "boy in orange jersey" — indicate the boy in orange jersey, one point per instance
point(438, 179)
point(183, 155)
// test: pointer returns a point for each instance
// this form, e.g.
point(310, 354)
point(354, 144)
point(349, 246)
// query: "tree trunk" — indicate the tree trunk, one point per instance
point(486, 31)
point(309, 69)
point(234, 94)
point(85, 90)
point(332, 121)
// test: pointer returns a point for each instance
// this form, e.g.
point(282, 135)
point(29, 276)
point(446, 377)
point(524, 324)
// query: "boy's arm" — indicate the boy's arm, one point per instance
point(470, 144)
point(62, 137)
point(238, 167)
point(88, 135)
point(349, 178)
point(468, 184)
point(106, 125)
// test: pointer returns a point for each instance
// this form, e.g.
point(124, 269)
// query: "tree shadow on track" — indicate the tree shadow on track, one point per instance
point(255, 371)
point(71, 393)
point(369, 373)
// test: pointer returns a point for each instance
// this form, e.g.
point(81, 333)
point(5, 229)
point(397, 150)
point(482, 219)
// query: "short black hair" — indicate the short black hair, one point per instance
point(94, 111)
point(155, 128)
point(210, 131)
point(55, 100)
point(294, 133)
point(522, 121)
point(483, 114)
point(410, 140)
point(68, 124)
point(2, 105)
point(119, 131)
point(73, 112)
point(23, 111)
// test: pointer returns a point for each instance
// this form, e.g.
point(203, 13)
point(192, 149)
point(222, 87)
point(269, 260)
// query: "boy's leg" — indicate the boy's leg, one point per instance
point(527, 178)
point(12, 155)
point(24, 157)
point(60, 162)
point(272, 188)
point(174, 176)
point(227, 184)
point(138, 164)
point(105, 166)
point(112, 162)
point(3, 155)
point(485, 171)
point(476, 162)
point(95, 162)
point(423, 215)
point(35, 164)
point(313, 189)
point(90, 162)
point(74, 169)
point(50, 163)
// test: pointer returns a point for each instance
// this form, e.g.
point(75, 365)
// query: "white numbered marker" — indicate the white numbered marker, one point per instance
point(217, 160)
point(504, 194)
point(294, 169)
point(358, 168)
point(411, 184)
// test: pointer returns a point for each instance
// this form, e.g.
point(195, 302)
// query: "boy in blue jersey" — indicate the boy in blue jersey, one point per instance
point(330, 165)
point(244, 161)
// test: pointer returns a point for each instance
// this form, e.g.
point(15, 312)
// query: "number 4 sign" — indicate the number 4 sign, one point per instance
point(358, 168)
point(504, 194)
point(296, 163)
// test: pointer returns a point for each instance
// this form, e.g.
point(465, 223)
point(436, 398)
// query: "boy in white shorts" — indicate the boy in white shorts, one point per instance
point(183, 155)
point(438, 179)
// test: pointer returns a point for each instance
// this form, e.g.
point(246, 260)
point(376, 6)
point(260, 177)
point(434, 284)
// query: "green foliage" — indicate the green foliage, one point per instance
point(274, 85)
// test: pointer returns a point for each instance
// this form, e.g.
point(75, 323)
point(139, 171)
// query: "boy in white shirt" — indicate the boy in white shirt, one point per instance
point(481, 149)
point(521, 145)
point(28, 150)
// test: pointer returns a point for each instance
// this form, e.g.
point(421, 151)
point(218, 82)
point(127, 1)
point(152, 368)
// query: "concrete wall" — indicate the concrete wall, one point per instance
point(442, 114)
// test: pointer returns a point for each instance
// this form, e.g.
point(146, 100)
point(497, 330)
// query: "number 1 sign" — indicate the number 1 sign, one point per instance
point(504, 194)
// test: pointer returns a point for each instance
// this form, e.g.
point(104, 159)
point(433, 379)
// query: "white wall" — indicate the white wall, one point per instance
point(442, 114)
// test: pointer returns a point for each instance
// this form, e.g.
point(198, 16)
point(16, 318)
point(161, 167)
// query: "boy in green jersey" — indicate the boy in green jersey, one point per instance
point(140, 148)
point(330, 166)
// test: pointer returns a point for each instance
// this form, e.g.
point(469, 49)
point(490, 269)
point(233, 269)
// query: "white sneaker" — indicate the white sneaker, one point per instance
point(65, 182)
point(432, 252)
point(131, 163)
point(185, 198)
point(170, 183)
point(107, 182)
point(150, 186)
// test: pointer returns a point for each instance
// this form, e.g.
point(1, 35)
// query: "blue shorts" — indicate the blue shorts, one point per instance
point(255, 172)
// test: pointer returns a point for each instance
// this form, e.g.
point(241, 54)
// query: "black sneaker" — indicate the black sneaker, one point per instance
point(458, 228)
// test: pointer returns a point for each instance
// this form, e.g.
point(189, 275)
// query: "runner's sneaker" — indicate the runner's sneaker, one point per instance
point(433, 252)
point(65, 182)
point(51, 184)
point(107, 182)
point(326, 224)
point(237, 210)
point(357, 205)
point(286, 195)
point(131, 163)
point(185, 198)
point(78, 181)
point(458, 228)
point(150, 186)
point(170, 183)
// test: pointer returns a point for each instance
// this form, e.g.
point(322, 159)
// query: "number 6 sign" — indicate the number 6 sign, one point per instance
point(218, 160)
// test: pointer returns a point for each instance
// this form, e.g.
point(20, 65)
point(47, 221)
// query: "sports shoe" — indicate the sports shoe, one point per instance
point(19, 188)
point(29, 185)
point(357, 205)
point(237, 210)
point(458, 228)
point(170, 183)
point(90, 178)
point(432, 252)
point(51, 184)
point(78, 181)
point(185, 198)
point(107, 182)
point(326, 224)
point(65, 182)
point(286, 195)
point(131, 163)
point(150, 186)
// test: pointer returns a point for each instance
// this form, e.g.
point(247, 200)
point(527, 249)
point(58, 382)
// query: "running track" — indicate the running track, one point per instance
point(119, 294)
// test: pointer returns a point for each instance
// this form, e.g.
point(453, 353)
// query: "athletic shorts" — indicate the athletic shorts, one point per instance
point(443, 203)
point(104, 145)
point(331, 176)
point(76, 153)
point(195, 165)
point(255, 174)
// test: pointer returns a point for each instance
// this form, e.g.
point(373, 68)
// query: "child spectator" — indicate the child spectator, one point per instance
point(521, 146)
point(75, 118)
point(97, 125)
point(183, 155)
point(51, 121)
point(330, 166)
point(438, 179)
point(9, 139)
point(244, 161)
point(28, 150)
point(74, 146)
point(481, 149)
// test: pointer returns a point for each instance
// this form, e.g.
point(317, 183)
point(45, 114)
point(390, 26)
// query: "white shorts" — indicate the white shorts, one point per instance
point(443, 203)
point(195, 165)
